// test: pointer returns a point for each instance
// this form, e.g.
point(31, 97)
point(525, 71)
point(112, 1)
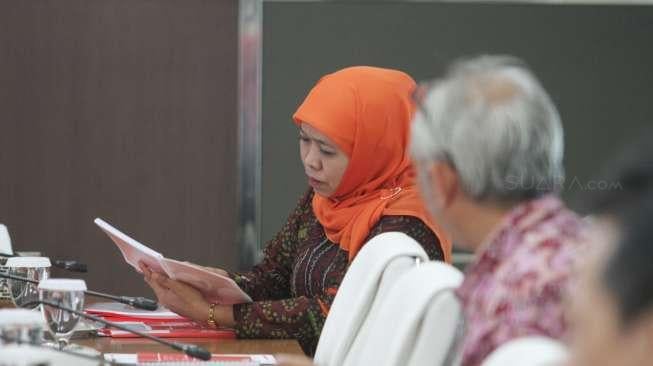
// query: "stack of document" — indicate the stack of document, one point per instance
point(161, 323)
point(181, 359)
point(114, 311)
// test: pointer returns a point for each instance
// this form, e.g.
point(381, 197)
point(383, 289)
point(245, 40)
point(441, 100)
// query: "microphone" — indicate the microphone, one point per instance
point(137, 302)
point(68, 265)
point(19, 341)
point(189, 349)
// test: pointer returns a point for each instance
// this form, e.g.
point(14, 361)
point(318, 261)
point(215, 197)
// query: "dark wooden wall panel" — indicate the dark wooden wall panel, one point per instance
point(124, 110)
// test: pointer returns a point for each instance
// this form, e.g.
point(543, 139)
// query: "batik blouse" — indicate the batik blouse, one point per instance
point(298, 278)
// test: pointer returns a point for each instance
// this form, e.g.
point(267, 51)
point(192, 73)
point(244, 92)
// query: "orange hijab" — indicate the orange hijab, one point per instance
point(366, 111)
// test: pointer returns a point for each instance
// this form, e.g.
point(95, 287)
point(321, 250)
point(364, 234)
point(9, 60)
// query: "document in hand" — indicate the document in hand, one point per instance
point(214, 287)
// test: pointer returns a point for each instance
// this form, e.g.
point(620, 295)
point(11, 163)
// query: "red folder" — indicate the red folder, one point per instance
point(178, 357)
point(168, 329)
point(181, 359)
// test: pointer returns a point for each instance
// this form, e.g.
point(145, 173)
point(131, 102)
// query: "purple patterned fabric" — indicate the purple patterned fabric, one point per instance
point(517, 283)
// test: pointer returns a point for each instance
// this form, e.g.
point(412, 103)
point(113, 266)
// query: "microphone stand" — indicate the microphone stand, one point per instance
point(189, 349)
point(137, 302)
point(72, 266)
point(71, 353)
point(69, 265)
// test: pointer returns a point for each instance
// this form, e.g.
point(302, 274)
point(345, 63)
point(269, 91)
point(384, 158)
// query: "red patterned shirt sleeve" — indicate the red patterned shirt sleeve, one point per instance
point(517, 284)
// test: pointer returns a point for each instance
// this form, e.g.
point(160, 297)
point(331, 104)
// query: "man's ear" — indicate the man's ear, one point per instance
point(444, 183)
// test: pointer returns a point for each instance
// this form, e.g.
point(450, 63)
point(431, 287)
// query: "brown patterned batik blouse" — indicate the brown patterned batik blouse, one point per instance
point(297, 280)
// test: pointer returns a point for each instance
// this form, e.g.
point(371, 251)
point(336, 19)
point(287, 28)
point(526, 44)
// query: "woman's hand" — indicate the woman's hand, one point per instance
point(185, 300)
point(219, 271)
point(292, 360)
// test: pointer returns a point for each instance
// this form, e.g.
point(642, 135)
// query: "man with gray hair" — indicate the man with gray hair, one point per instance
point(487, 142)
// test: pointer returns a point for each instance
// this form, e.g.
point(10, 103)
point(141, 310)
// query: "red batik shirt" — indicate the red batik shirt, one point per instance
point(516, 285)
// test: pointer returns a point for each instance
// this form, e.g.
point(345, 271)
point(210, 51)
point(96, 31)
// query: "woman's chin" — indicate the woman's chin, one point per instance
point(321, 192)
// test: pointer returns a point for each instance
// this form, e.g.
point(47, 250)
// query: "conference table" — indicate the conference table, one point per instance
point(230, 346)
point(221, 346)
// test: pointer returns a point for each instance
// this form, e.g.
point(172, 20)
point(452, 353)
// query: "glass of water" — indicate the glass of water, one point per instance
point(25, 294)
point(67, 293)
point(21, 326)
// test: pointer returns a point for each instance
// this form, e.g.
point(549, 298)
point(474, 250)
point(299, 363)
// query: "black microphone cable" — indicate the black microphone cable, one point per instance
point(67, 264)
point(189, 349)
point(19, 341)
point(137, 302)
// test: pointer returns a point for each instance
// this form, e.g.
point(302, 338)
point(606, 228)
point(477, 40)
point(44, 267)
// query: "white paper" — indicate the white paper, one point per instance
point(131, 250)
point(123, 358)
point(214, 287)
point(116, 309)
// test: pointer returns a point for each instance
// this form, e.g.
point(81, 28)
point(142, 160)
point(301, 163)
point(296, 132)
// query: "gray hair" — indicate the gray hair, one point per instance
point(491, 119)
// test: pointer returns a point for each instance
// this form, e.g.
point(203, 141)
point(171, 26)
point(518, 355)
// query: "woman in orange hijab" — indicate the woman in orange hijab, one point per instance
point(353, 132)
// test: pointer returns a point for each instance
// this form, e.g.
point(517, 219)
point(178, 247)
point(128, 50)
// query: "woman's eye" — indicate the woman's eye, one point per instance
point(327, 153)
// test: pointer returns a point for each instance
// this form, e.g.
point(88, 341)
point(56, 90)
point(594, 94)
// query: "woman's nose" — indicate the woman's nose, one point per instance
point(312, 158)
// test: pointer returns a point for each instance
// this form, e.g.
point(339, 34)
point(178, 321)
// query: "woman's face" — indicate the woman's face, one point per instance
point(324, 163)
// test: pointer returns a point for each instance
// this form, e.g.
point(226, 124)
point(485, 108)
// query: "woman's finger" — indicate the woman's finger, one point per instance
point(160, 279)
point(175, 286)
point(159, 290)
point(147, 273)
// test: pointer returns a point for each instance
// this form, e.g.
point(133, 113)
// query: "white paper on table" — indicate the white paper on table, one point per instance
point(215, 287)
point(217, 359)
point(115, 309)
point(122, 358)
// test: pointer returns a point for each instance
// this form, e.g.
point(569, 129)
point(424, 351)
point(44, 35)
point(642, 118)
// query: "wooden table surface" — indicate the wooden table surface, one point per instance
point(239, 346)
point(135, 345)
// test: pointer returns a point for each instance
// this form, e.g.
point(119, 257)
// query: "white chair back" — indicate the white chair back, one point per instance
point(377, 266)
point(393, 272)
point(393, 331)
point(528, 351)
point(441, 332)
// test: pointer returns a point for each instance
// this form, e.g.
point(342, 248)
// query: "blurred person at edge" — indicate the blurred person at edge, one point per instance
point(487, 142)
point(611, 315)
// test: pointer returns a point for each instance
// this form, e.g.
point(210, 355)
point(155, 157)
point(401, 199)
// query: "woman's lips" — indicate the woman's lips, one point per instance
point(314, 182)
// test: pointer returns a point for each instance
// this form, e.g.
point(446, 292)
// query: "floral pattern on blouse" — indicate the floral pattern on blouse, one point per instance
point(298, 278)
point(516, 285)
